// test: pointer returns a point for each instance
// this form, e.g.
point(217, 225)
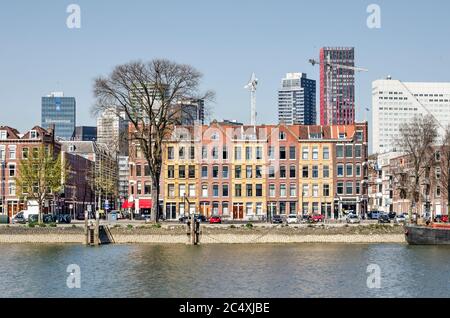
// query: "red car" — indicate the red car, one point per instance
point(317, 218)
point(215, 220)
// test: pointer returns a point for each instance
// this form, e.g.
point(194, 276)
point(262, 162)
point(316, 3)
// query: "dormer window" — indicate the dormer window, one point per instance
point(341, 135)
point(282, 135)
point(3, 134)
point(215, 136)
point(33, 134)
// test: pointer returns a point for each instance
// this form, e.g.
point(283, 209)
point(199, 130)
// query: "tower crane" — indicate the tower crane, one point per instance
point(329, 68)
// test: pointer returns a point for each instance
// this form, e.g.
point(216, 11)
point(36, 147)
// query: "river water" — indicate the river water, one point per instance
point(300, 270)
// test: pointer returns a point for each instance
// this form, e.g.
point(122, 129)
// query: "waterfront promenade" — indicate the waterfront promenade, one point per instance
point(141, 233)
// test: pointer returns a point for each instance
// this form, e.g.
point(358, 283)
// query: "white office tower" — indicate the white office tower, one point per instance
point(395, 102)
point(297, 100)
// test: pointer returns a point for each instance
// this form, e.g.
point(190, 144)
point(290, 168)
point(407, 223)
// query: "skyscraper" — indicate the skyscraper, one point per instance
point(112, 130)
point(191, 111)
point(342, 89)
point(297, 100)
point(59, 111)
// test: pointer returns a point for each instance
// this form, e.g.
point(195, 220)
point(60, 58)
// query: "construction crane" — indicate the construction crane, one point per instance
point(329, 68)
point(252, 84)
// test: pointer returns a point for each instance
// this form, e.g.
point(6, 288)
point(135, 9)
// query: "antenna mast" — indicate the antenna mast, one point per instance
point(252, 84)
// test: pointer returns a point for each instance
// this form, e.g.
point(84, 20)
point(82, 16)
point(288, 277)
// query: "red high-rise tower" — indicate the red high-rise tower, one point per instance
point(341, 104)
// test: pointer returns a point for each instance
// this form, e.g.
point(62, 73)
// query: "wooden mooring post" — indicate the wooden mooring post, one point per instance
point(193, 231)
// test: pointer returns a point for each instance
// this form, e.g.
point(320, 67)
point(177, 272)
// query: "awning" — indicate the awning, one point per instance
point(145, 203)
point(128, 205)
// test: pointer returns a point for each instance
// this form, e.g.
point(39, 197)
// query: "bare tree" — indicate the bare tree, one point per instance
point(148, 94)
point(416, 141)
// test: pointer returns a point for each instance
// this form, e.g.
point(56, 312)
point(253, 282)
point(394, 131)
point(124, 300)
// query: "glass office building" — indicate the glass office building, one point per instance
point(59, 111)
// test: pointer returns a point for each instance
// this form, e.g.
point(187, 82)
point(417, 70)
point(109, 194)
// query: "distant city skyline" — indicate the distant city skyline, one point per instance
point(41, 54)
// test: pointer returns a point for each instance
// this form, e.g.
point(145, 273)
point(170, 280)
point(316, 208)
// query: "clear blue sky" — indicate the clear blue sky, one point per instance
point(225, 40)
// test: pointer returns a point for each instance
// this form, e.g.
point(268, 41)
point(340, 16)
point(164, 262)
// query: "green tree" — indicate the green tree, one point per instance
point(41, 175)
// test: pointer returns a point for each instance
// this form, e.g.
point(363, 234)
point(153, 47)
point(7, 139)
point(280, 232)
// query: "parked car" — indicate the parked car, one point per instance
point(401, 218)
point(277, 219)
point(317, 218)
point(441, 218)
point(292, 219)
point(19, 218)
point(374, 215)
point(353, 219)
point(215, 220)
point(304, 219)
point(142, 217)
point(384, 218)
point(392, 215)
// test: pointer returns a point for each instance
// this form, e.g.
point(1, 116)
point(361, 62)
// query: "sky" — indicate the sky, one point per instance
point(225, 40)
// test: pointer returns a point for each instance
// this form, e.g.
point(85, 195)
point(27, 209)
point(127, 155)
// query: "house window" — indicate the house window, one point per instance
point(3, 134)
point(271, 152)
point(33, 134)
point(282, 190)
point(170, 153)
point(340, 170)
point(215, 171)
point(192, 153)
point(237, 172)
point(437, 156)
point(326, 190)
point(326, 171)
point(438, 173)
point(237, 153)
point(293, 190)
point(292, 172)
point(438, 191)
point(305, 153)
point(340, 188)
point(292, 152)
point(349, 151)
point(248, 153)
point(215, 190)
point(272, 172)
point(258, 191)
point(349, 188)
point(271, 190)
point(315, 153)
point(181, 172)
point(292, 208)
point(282, 207)
point(305, 172)
point(225, 190)
point(358, 170)
point(12, 169)
point(326, 153)
point(249, 190)
point(204, 152)
point(357, 188)
point(170, 190)
point(305, 190)
point(204, 171)
point(225, 153)
point(282, 135)
point(225, 172)
point(11, 188)
point(249, 208)
point(339, 151)
point(315, 190)
point(215, 153)
point(349, 170)
point(182, 190)
point(192, 190)
point(258, 172)
point(259, 210)
point(282, 153)
point(315, 172)
point(12, 152)
point(225, 210)
point(181, 153)
point(238, 190)
point(359, 135)
point(191, 172)
point(215, 209)
point(358, 153)
point(248, 171)
point(204, 190)
point(259, 153)
point(283, 172)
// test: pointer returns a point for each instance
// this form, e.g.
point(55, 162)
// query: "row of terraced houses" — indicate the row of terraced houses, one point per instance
point(255, 172)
